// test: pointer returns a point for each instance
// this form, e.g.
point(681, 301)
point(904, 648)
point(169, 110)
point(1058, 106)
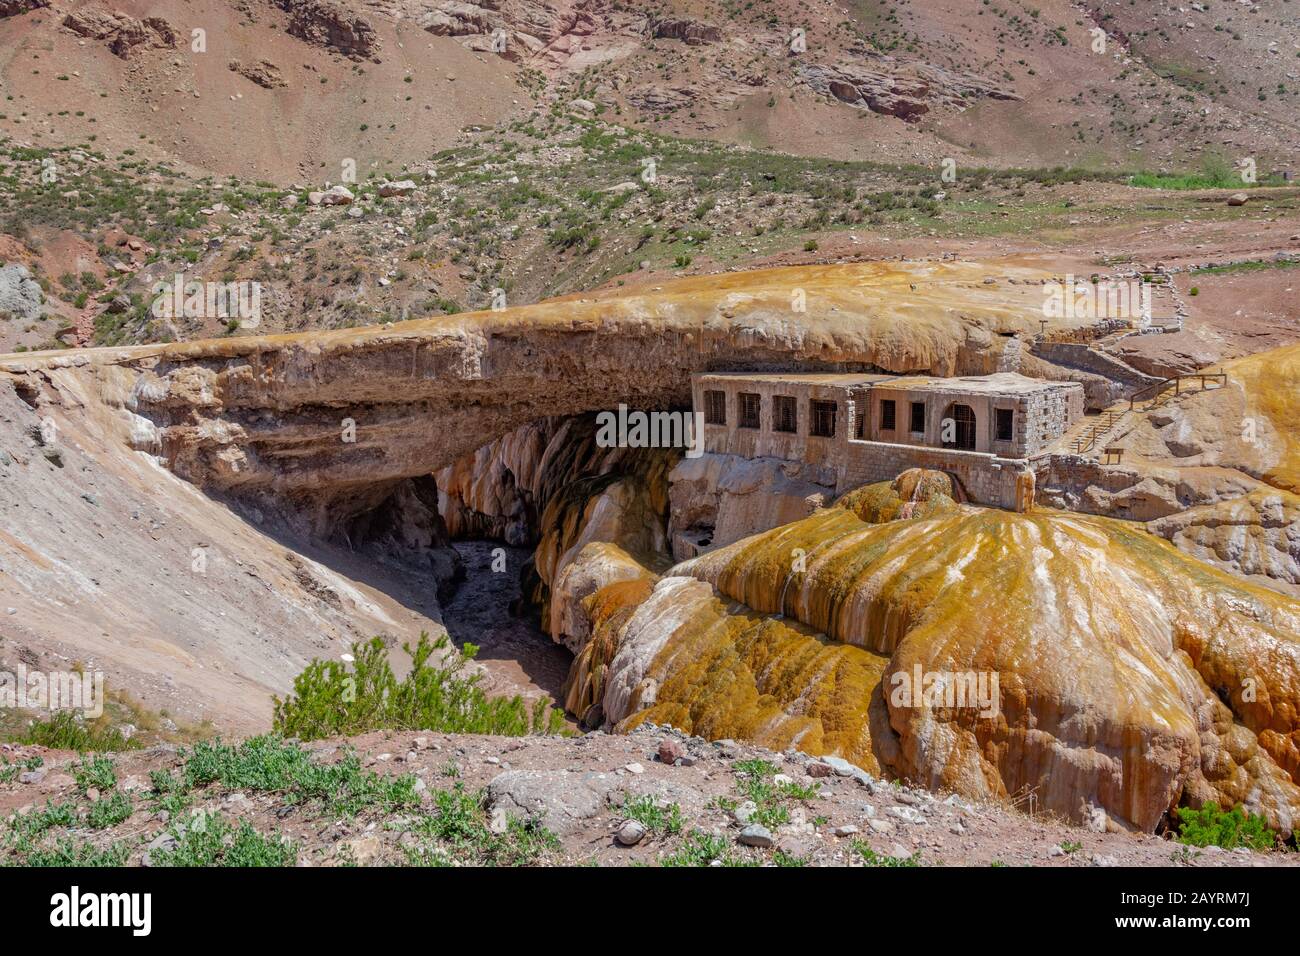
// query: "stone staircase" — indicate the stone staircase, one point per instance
point(1012, 353)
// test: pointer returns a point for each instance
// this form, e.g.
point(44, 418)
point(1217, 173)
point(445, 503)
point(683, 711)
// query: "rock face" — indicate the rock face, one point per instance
point(905, 91)
point(123, 33)
point(1129, 676)
point(1256, 536)
point(331, 24)
point(20, 294)
point(12, 8)
point(691, 32)
point(264, 73)
point(718, 499)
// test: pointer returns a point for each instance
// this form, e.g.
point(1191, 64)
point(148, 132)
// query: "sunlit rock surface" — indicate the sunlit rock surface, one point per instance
point(717, 499)
point(1256, 536)
point(1131, 677)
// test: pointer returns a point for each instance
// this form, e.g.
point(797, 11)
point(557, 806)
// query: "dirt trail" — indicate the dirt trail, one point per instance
point(518, 656)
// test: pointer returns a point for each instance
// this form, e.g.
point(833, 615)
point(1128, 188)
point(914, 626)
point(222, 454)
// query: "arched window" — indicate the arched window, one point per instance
point(961, 432)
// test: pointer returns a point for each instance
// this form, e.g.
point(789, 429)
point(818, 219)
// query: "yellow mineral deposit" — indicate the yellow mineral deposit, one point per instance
point(1131, 675)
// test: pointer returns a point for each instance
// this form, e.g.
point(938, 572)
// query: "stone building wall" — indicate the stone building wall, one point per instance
point(986, 479)
point(994, 473)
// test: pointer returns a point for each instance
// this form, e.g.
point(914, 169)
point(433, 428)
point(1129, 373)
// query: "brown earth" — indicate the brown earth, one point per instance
point(577, 786)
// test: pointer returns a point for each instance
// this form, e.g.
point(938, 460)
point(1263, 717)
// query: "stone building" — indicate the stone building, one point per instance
point(983, 430)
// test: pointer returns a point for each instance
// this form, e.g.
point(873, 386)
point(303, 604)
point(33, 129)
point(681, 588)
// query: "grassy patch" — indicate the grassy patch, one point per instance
point(64, 731)
point(456, 832)
point(271, 764)
point(705, 849)
point(757, 782)
point(872, 858)
point(1253, 265)
point(211, 840)
point(659, 819)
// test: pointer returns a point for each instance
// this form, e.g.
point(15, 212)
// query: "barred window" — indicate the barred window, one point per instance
point(823, 419)
point(750, 404)
point(715, 407)
point(784, 416)
point(888, 415)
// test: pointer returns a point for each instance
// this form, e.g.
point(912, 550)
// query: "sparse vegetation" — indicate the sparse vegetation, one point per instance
point(436, 694)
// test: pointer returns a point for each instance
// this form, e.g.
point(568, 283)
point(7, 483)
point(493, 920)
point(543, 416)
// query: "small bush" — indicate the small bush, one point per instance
point(704, 849)
point(210, 840)
point(64, 731)
point(659, 819)
point(109, 811)
point(94, 773)
point(1212, 826)
point(330, 699)
point(456, 832)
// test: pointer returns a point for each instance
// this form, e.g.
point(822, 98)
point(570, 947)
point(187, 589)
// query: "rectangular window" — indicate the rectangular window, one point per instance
point(750, 404)
point(1005, 418)
point(715, 407)
point(918, 417)
point(887, 413)
point(784, 418)
point(823, 419)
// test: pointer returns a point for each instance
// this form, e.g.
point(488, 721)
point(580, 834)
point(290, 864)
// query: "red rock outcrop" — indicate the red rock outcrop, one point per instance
point(331, 24)
point(124, 34)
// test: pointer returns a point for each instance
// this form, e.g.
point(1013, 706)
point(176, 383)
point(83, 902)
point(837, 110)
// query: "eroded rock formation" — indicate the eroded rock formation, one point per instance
point(903, 90)
point(124, 34)
point(1131, 677)
point(331, 24)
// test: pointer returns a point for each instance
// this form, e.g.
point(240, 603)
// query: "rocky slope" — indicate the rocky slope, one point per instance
point(1004, 84)
point(466, 788)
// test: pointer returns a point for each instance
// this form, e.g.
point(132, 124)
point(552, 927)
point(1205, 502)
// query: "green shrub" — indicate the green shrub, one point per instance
point(64, 731)
point(330, 699)
point(94, 773)
point(1211, 826)
point(210, 840)
point(704, 849)
point(658, 818)
point(872, 858)
point(456, 832)
point(109, 811)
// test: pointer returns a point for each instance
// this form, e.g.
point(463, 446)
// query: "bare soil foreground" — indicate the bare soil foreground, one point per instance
point(418, 798)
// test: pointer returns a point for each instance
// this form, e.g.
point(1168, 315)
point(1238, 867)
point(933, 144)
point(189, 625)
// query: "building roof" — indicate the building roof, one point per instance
point(844, 379)
point(999, 383)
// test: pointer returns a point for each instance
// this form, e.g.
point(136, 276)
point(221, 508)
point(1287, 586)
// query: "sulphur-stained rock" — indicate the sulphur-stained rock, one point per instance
point(284, 399)
point(1038, 619)
point(738, 674)
point(597, 564)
